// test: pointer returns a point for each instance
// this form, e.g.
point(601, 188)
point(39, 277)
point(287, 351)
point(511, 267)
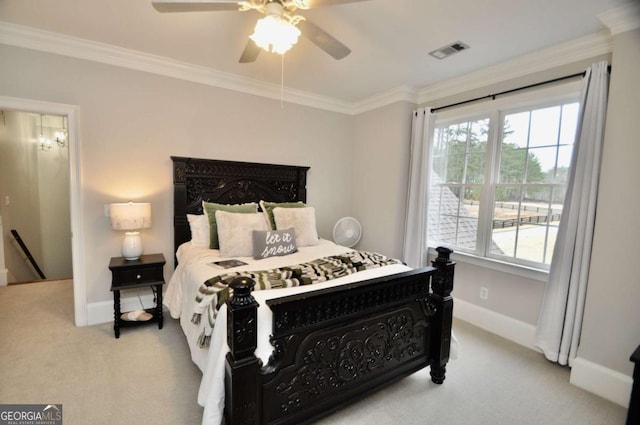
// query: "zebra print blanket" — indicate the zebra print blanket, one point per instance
point(216, 291)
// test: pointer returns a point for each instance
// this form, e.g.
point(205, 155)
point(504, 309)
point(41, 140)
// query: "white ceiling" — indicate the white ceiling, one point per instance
point(389, 39)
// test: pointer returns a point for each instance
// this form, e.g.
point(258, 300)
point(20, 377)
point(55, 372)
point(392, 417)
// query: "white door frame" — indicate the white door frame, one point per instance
point(3, 269)
point(75, 192)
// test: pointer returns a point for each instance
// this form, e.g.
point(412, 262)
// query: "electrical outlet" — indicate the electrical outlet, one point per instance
point(484, 293)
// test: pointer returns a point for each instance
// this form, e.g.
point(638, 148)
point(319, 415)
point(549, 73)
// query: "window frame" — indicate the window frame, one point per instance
point(496, 110)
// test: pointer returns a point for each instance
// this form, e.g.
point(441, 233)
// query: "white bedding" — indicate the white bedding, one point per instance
point(193, 270)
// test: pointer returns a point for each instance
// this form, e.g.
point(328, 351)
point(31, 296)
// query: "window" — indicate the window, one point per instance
point(499, 178)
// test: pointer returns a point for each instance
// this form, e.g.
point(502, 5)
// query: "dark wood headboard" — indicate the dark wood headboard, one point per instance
point(229, 182)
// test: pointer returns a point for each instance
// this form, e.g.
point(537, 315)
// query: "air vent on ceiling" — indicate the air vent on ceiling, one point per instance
point(449, 50)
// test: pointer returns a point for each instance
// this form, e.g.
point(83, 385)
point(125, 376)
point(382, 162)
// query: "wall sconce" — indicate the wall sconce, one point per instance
point(43, 142)
point(60, 136)
point(131, 216)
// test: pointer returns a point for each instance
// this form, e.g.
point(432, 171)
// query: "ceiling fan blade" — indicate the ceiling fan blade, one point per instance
point(195, 6)
point(323, 40)
point(250, 52)
point(319, 3)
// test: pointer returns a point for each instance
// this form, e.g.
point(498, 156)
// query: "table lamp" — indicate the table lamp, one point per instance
point(131, 216)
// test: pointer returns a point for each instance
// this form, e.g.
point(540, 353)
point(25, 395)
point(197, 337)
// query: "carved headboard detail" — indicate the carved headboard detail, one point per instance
point(229, 182)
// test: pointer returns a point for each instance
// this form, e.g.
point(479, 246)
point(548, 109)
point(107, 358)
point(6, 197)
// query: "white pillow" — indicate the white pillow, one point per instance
point(199, 225)
point(235, 232)
point(210, 209)
point(303, 220)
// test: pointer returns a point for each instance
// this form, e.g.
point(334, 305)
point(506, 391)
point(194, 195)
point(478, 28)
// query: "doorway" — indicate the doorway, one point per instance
point(34, 196)
point(75, 207)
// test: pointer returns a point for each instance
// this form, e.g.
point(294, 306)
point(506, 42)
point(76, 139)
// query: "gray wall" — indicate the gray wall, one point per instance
point(612, 314)
point(380, 171)
point(55, 214)
point(131, 123)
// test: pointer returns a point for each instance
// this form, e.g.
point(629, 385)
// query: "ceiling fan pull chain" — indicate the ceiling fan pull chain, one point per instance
point(282, 82)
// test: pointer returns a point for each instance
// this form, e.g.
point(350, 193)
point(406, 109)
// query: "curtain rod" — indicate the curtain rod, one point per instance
point(493, 96)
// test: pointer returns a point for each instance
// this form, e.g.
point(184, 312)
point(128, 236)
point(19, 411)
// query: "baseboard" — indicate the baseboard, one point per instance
point(599, 380)
point(102, 312)
point(4, 273)
point(507, 327)
point(604, 382)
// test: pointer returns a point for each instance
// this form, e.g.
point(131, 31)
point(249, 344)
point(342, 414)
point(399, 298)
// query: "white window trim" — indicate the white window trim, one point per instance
point(539, 97)
point(532, 273)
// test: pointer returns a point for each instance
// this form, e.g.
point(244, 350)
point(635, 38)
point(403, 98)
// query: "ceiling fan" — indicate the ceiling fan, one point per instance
point(277, 31)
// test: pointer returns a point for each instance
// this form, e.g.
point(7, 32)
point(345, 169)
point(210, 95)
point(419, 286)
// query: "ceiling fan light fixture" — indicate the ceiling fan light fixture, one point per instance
point(275, 34)
point(279, 29)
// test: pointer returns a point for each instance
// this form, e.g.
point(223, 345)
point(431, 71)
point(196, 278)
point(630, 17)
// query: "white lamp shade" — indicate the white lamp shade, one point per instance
point(131, 216)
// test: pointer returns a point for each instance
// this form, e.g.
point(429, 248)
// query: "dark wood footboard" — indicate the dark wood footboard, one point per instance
point(336, 345)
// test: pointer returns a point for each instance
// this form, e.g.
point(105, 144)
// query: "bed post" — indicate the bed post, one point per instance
point(441, 287)
point(242, 389)
point(181, 232)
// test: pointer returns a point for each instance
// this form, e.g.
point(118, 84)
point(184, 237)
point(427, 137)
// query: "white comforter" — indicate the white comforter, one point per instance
point(193, 270)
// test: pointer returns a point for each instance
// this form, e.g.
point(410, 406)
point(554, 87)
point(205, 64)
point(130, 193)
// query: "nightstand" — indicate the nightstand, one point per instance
point(145, 271)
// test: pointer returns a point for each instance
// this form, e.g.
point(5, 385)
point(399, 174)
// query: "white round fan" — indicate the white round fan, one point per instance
point(347, 232)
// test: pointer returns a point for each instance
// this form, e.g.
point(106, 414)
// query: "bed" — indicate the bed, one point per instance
point(293, 355)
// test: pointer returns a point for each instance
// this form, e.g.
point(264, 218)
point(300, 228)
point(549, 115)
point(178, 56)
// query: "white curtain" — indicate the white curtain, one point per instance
point(560, 320)
point(415, 233)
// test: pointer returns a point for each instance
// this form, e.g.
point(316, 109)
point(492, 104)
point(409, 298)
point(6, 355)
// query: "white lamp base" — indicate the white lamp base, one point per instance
point(132, 246)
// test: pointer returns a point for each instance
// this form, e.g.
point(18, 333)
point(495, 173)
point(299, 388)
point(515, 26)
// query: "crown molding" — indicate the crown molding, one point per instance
point(398, 94)
point(562, 54)
point(621, 19)
point(60, 44)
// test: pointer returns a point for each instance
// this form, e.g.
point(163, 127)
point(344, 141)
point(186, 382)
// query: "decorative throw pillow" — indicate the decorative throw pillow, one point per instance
point(267, 210)
point(210, 209)
point(303, 220)
point(199, 225)
point(271, 243)
point(235, 231)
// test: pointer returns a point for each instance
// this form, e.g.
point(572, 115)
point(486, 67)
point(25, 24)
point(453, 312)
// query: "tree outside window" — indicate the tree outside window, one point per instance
point(521, 171)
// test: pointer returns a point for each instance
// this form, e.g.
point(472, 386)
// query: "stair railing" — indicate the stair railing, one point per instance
point(27, 254)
